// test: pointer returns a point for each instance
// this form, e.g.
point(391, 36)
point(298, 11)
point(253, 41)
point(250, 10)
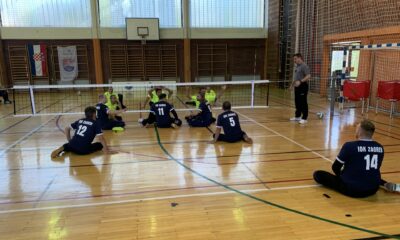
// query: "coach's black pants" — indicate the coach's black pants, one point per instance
point(300, 100)
point(334, 182)
point(94, 147)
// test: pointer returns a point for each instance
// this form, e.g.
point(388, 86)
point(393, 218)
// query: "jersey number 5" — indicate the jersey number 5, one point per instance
point(81, 130)
point(371, 162)
point(232, 121)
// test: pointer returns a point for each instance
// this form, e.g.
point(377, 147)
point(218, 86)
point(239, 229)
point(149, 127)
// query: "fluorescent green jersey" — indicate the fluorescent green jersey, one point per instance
point(210, 96)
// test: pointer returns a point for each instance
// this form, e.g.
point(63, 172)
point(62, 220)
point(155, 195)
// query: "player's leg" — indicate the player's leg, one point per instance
point(213, 119)
point(246, 138)
point(121, 100)
point(58, 151)
point(390, 187)
point(94, 147)
point(149, 120)
point(222, 137)
point(195, 122)
point(329, 180)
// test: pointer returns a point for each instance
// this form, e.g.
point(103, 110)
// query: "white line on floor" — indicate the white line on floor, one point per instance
point(287, 138)
point(151, 199)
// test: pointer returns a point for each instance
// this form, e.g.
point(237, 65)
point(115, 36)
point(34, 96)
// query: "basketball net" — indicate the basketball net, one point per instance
point(143, 41)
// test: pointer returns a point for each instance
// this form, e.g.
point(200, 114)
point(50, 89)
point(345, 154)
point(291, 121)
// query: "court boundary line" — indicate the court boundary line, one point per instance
point(285, 137)
point(268, 202)
point(4, 151)
point(150, 199)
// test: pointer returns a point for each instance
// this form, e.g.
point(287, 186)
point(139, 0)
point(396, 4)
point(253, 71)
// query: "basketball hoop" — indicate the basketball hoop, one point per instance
point(143, 32)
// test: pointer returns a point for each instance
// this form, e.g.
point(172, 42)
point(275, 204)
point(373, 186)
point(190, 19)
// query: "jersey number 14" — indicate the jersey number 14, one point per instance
point(371, 162)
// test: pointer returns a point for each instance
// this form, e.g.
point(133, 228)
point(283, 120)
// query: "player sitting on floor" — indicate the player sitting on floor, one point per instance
point(86, 129)
point(357, 167)
point(114, 105)
point(203, 118)
point(103, 114)
point(119, 97)
point(154, 93)
point(229, 121)
point(161, 110)
point(153, 97)
point(209, 94)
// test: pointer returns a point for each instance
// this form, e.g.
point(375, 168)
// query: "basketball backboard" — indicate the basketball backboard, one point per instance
point(143, 29)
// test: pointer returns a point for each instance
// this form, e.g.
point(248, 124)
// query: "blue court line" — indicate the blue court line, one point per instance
point(265, 201)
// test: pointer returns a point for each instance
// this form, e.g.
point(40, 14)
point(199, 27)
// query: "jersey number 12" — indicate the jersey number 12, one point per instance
point(371, 162)
point(81, 130)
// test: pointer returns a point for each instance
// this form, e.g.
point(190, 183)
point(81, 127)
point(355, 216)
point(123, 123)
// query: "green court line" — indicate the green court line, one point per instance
point(268, 202)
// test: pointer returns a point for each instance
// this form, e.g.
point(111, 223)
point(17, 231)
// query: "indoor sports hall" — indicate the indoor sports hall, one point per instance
point(274, 61)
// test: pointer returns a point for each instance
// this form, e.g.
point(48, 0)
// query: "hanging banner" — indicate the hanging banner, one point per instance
point(68, 62)
point(38, 60)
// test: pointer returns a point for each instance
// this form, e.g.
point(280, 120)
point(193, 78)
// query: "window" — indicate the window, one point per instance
point(45, 13)
point(114, 12)
point(227, 13)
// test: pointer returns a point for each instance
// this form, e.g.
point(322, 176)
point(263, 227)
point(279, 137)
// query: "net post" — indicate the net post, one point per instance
point(32, 100)
point(252, 94)
point(343, 78)
point(267, 94)
point(15, 107)
point(333, 96)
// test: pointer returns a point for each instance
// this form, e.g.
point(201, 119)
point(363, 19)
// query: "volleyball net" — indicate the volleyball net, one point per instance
point(73, 99)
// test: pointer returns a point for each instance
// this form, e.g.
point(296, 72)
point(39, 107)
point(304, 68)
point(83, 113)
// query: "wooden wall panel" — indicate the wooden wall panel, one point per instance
point(13, 50)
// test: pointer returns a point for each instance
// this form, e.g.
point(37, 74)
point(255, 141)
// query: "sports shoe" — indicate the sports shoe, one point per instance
point(295, 119)
point(140, 120)
point(303, 121)
point(392, 187)
point(173, 125)
point(7, 102)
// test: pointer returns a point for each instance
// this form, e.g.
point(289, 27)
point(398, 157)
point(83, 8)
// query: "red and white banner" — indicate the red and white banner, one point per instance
point(68, 61)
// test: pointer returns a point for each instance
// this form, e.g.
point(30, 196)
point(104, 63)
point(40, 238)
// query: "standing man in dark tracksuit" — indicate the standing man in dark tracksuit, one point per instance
point(300, 84)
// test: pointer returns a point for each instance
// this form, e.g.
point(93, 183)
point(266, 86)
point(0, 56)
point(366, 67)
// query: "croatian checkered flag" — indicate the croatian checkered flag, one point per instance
point(38, 60)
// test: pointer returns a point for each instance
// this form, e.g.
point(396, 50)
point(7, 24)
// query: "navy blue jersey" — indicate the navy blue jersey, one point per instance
point(229, 121)
point(205, 112)
point(102, 113)
point(362, 160)
point(85, 131)
point(162, 111)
